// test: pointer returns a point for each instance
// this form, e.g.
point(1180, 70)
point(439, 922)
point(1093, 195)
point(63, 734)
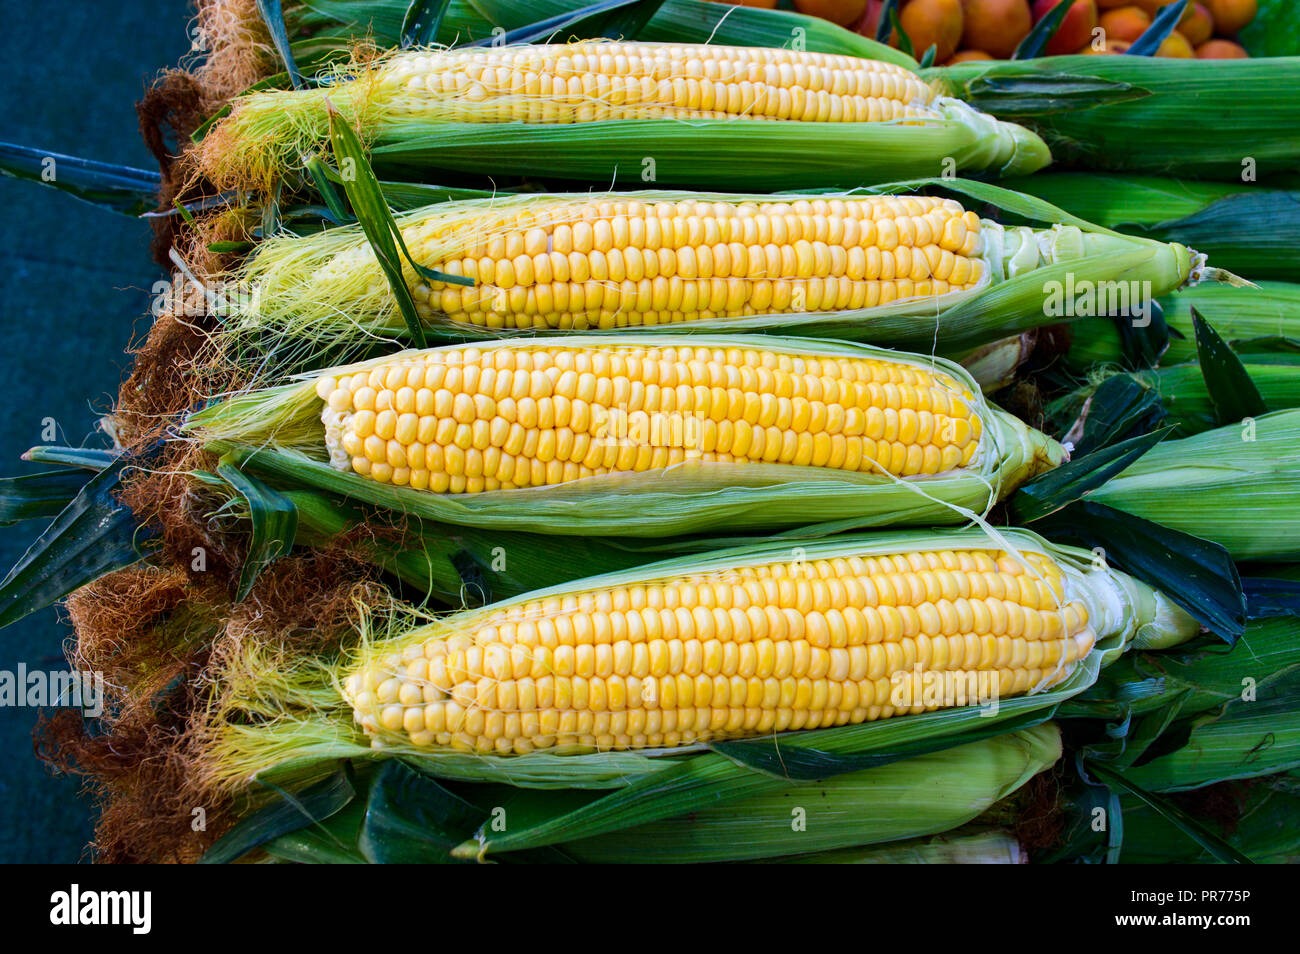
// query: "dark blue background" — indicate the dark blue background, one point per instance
point(74, 291)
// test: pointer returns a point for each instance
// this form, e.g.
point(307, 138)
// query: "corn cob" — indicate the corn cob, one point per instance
point(614, 264)
point(471, 420)
point(410, 93)
point(539, 263)
point(591, 80)
point(709, 431)
point(746, 643)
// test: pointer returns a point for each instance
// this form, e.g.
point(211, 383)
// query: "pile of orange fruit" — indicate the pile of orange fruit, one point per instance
point(991, 29)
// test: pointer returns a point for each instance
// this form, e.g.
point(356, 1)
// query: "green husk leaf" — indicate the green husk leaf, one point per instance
point(1037, 39)
point(93, 535)
point(707, 780)
point(288, 813)
point(980, 848)
point(1120, 408)
point(273, 17)
point(1196, 574)
point(1028, 96)
point(1098, 133)
point(1231, 390)
point(86, 458)
point(904, 41)
point(321, 181)
point(1263, 828)
point(801, 763)
point(927, 793)
point(375, 220)
point(1201, 676)
point(117, 188)
point(1188, 825)
point(593, 20)
point(1072, 481)
point(1275, 31)
point(422, 22)
point(410, 818)
point(1243, 227)
point(332, 842)
point(1161, 26)
point(275, 524)
point(627, 23)
point(1248, 319)
point(886, 20)
point(707, 153)
point(1267, 598)
point(37, 495)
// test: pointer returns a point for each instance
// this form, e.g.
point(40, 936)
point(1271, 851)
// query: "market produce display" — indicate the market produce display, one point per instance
point(640, 420)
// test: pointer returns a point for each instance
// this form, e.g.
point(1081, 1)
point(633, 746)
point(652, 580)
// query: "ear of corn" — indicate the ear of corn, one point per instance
point(918, 796)
point(890, 269)
point(432, 97)
point(1235, 485)
point(744, 643)
point(1060, 616)
point(644, 435)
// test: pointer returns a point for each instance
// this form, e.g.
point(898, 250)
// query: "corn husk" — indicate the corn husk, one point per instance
point(1263, 828)
point(1236, 486)
point(1248, 738)
point(327, 289)
point(278, 434)
point(1184, 394)
point(1196, 679)
point(1246, 228)
point(920, 796)
point(1251, 320)
point(981, 848)
point(1161, 133)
